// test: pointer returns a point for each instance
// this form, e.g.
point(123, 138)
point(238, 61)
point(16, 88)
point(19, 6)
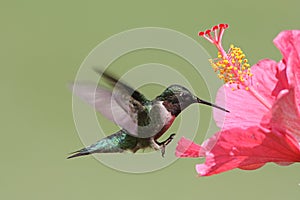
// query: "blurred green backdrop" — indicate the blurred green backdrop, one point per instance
point(42, 45)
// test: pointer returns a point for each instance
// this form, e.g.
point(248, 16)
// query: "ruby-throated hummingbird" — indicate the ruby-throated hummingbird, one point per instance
point(142, 121)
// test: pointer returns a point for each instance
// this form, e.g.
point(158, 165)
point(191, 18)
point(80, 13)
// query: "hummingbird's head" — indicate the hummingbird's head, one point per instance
point(176, 98)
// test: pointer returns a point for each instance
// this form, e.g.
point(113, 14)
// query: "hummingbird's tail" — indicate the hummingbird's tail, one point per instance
point(81, 152)
point(115, 143)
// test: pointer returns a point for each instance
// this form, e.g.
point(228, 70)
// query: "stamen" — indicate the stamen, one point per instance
point(232, 66)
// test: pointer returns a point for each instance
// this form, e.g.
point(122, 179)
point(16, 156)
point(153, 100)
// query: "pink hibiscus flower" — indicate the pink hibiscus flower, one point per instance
point(264, 120)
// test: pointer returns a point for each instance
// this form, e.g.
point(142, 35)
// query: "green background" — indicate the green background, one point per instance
point(42, 45)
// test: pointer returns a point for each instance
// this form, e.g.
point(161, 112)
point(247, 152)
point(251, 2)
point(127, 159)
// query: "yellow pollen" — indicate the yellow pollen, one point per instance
point(233, 68)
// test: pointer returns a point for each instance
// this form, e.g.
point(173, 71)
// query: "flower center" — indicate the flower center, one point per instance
point(232, 67)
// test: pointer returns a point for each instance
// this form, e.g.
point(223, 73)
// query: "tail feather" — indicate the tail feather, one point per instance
point(82, 152)
point(115, 143)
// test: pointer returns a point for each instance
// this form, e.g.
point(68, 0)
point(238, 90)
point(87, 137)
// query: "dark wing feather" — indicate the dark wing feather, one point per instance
point(124, 88)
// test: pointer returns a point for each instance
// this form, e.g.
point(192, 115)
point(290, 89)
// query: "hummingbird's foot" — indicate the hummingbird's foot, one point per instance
point(164, 143)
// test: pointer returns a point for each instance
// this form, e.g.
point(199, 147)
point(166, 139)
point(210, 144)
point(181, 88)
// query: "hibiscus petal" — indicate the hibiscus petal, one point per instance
point(251, 167)
point(187, 148)
point(285, 114)
point(281, 75)
point(288, 42)
point(245, 109)
point(247, 149)
point(294, 63)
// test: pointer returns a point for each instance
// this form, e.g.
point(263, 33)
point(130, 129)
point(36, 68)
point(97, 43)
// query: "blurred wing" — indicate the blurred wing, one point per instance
point(122, 88)
point(118, 107)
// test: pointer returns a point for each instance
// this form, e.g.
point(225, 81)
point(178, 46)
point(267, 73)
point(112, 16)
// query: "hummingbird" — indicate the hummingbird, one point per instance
point(142, 121)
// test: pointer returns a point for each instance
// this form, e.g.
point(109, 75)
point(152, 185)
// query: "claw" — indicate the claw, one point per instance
point(164, 143)
point(170, 138)
point(163, 150)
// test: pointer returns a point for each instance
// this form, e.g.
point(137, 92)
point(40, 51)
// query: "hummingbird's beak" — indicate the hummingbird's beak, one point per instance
point(210, 104)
